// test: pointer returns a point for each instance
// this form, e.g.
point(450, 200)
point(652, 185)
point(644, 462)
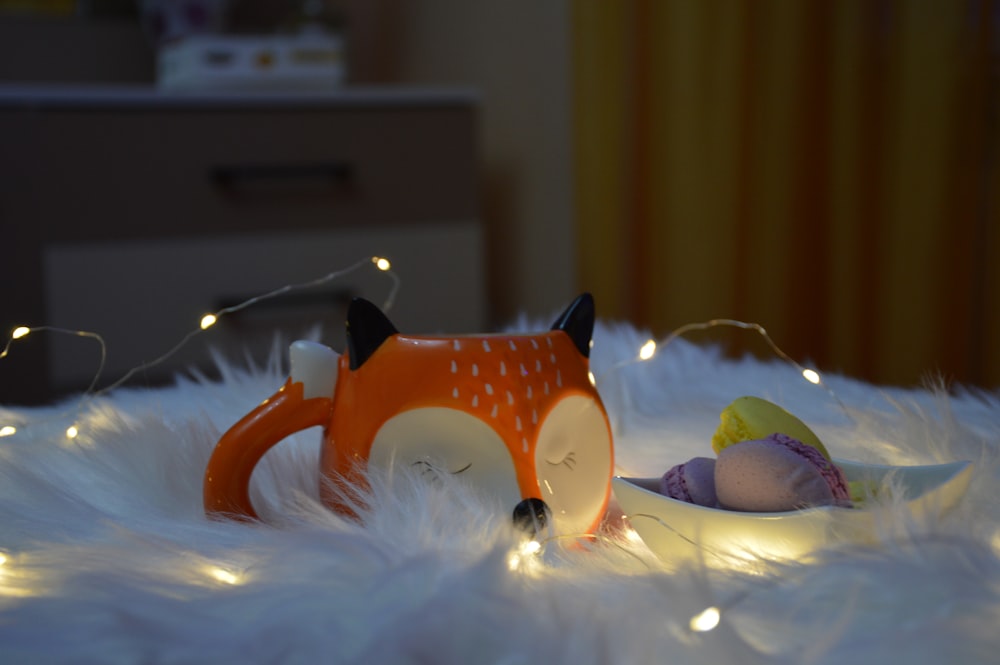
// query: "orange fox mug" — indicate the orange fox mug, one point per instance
point(515, 415)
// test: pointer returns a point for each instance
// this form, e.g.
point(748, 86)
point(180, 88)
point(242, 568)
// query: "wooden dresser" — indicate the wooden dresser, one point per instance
point(131, 213)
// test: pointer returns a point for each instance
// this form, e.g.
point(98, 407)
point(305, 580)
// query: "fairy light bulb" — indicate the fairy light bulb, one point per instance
point(648, 350)
point(705, 620)
point(811, 375)
point(632, 536)
point(223, 575)
point(208, 321)
point(381, 263)
point(527, 549)
point(20, 332)
point(8, 430)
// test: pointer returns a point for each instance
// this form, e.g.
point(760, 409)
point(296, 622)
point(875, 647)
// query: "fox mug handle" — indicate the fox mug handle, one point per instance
point(305, 400)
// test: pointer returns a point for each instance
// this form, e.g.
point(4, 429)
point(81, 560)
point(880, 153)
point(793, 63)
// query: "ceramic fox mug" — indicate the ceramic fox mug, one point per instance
point(515, 415)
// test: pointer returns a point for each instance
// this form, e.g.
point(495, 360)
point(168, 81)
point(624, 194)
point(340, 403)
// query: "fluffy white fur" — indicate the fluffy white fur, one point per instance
point(109, 556)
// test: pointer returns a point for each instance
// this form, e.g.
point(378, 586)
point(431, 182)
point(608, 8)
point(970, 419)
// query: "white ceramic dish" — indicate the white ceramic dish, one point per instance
point(680, 532)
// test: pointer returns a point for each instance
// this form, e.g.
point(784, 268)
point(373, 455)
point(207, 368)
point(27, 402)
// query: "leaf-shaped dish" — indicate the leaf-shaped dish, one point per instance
point(680, 532)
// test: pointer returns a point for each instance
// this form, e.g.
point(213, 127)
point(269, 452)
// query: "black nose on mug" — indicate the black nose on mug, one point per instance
point(531, 516)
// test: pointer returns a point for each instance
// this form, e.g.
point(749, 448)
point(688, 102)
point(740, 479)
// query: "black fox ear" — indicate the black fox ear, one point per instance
point(367, 328)
point(578, 322)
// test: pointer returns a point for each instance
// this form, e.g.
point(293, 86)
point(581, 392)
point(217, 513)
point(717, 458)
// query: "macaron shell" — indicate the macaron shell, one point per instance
point(672, 484)
point(750, 418)
point(699, 477)
point(692, 482)
point(833, 476)
point(764, 476)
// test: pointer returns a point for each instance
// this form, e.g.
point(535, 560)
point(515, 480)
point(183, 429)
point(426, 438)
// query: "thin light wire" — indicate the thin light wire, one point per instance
point(65, 331)
point(732, 323)
point(90, 393)
point(97, 373)
point(250, 302)
point(589, 536)
point(612, 541)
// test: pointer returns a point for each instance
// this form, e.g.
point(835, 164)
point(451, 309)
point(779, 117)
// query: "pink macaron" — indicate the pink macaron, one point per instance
point(775, 474)
point(693, 482)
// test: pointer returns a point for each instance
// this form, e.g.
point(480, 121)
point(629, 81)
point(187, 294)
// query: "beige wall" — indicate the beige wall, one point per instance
point(73, 50)
point(517, 55)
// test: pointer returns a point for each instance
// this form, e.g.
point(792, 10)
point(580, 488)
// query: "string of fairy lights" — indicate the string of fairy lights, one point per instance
point(207, 321)
point(527, 554)
point(651, 348)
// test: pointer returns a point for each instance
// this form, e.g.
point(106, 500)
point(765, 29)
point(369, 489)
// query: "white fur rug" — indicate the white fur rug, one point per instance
point(109, 558)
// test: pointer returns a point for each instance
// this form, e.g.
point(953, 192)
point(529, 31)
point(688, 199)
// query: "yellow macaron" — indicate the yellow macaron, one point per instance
point(750, 418)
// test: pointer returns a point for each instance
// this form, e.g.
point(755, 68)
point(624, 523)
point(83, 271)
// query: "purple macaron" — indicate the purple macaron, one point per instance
point(777, 473)
point(693, 482)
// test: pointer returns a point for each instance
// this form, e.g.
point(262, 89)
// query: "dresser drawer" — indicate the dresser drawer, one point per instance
point(139, 170)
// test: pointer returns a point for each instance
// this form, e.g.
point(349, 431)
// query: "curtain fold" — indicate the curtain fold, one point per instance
point(825, 169)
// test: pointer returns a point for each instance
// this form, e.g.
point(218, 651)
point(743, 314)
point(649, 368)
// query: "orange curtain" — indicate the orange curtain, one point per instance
point(825, 169)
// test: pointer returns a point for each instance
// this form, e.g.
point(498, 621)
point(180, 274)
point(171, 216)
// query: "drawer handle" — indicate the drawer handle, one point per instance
point(267, 177)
